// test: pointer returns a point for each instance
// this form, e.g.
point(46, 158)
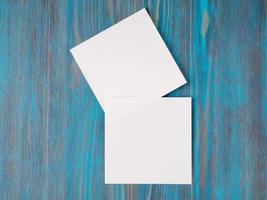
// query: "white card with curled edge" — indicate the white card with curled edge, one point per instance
point(128, 59)
point(150, 143)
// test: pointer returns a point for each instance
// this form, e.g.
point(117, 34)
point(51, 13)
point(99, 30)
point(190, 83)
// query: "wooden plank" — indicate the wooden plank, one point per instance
point(52, 127)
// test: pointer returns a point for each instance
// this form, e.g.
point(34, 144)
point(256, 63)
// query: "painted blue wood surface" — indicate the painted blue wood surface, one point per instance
point(52, 127)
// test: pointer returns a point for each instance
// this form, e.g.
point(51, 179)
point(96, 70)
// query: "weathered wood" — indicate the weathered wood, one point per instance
point(52, 127)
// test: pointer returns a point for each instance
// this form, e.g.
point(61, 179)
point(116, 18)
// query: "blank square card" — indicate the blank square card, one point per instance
point(128, 59)
point(150, 145)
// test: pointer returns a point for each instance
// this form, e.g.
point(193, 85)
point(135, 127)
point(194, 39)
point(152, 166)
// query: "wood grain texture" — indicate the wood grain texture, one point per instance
point(52, 127)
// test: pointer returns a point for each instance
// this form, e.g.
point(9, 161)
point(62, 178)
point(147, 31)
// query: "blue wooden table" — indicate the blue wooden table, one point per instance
point(52, 127)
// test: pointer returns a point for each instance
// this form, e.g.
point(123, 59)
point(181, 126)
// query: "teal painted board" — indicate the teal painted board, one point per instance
point(52, 127)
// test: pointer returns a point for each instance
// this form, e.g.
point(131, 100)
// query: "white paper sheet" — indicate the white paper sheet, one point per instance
point(148, 145)
point(128, 59)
